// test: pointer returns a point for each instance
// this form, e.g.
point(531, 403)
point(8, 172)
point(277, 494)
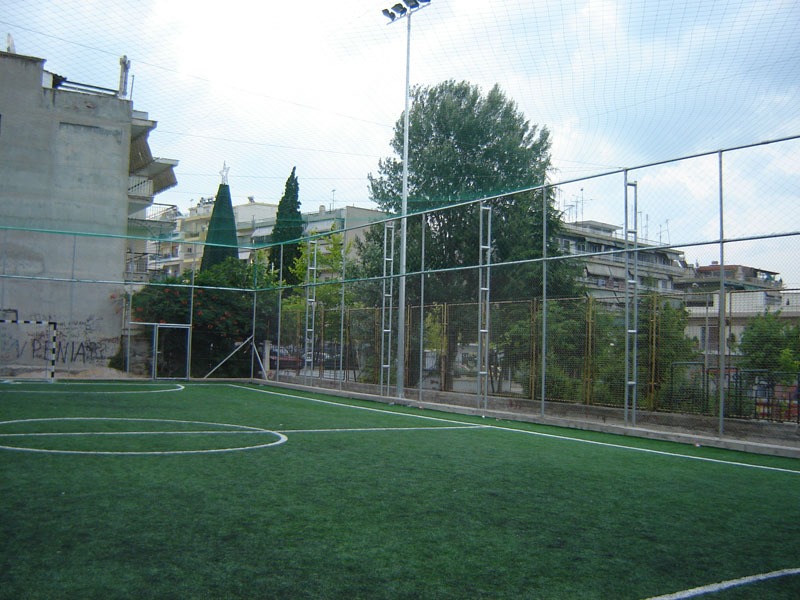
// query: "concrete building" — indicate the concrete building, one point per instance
point(749, 292)
point(352, 218)
point(76, 179)
point(183, 250)
point(604, 275)
point(254, 224)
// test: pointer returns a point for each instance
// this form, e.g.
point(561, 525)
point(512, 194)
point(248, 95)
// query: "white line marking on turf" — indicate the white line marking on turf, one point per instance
point(177, 432)
point(534, 433)
point(239, 429)
point(130, 419)
point(366, 408)
point(724, 585)
point(63, 390)
point(281, 439)
point(467, 426)
point(649, 450)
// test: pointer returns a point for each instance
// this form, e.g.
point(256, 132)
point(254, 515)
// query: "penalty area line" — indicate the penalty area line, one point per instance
point(724, 585)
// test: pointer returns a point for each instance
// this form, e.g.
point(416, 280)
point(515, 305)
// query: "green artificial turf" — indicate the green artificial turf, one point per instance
point(417, 510)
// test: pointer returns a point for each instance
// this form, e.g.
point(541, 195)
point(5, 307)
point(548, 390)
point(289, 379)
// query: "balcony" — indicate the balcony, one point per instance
point(141, 187)
point(136, 267)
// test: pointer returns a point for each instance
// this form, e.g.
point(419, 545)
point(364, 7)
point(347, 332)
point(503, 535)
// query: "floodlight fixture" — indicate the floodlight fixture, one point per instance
point(399, 11)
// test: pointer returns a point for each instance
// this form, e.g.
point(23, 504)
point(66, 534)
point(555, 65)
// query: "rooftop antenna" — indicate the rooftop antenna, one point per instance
point(124, 68)
point(10, 44)
point(333, 196)
point(666, 230)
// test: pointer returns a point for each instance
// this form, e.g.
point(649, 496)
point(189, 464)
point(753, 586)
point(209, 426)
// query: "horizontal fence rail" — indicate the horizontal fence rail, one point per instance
point(684, 301)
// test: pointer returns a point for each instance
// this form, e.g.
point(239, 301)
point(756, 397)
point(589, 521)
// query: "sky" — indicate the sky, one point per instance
point(320, 85)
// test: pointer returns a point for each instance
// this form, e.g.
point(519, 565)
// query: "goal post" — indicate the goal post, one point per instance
point(52, 329)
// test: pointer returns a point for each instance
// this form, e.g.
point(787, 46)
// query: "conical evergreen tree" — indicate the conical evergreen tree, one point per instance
point(288, 227)
point(221, 230)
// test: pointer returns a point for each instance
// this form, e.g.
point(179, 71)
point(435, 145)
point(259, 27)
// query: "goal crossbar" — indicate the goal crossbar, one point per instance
point(53, 326)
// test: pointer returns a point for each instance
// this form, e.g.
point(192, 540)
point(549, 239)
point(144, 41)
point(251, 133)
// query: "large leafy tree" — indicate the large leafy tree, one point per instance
point(466, 145)
point(288, 227)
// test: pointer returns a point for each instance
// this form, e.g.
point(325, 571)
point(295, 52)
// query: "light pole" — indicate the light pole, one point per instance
point(398, 11)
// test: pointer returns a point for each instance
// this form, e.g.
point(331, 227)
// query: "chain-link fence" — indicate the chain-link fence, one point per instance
point(660, 289)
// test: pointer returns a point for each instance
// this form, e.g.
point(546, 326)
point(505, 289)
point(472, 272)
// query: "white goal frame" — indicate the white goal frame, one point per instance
point(53, 327)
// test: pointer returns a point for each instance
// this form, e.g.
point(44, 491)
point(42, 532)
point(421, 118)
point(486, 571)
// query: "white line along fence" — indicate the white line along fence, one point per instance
point(666, 288)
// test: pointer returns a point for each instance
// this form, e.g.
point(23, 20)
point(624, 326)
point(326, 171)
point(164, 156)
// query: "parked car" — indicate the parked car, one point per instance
point(288, 360)
point(331, 361)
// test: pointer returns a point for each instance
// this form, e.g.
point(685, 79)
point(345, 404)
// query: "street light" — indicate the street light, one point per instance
point(398, 11)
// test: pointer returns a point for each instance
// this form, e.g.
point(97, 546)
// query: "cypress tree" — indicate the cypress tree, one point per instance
point(221, 230)
point(288, 227)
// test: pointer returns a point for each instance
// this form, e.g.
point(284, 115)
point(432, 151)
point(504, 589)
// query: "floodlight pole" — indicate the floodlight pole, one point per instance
point(401, 300)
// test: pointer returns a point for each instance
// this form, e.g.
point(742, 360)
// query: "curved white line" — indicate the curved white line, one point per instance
point(131, 419)
point(175, 432)
point(281, 439)
point(63, 391)
point(724, 585)
point(245, 429)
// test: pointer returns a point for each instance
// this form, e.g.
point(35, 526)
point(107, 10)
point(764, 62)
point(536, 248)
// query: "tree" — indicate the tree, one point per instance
point(664, 348)
point(329, 266)
point(327, 296)
point(664, 355)
point(221, 242)
point(288, 227)
point(222, 317)
point(464, 145)
point(770, 343)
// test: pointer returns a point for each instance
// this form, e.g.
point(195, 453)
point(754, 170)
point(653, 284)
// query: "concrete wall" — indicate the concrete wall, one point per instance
point(63, 167)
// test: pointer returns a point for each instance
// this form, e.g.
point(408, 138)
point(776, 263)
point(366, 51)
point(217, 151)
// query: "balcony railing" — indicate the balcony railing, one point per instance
point(136, 266)
point(162, 212)
point(140, 186)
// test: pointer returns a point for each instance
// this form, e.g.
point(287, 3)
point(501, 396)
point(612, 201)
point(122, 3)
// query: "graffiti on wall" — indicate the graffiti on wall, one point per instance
point(77, 342)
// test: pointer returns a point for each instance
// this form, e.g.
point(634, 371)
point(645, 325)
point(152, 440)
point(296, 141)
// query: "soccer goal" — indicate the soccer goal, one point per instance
point(26, 342)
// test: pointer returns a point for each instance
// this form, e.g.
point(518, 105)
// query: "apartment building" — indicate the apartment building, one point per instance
point(77, 178)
